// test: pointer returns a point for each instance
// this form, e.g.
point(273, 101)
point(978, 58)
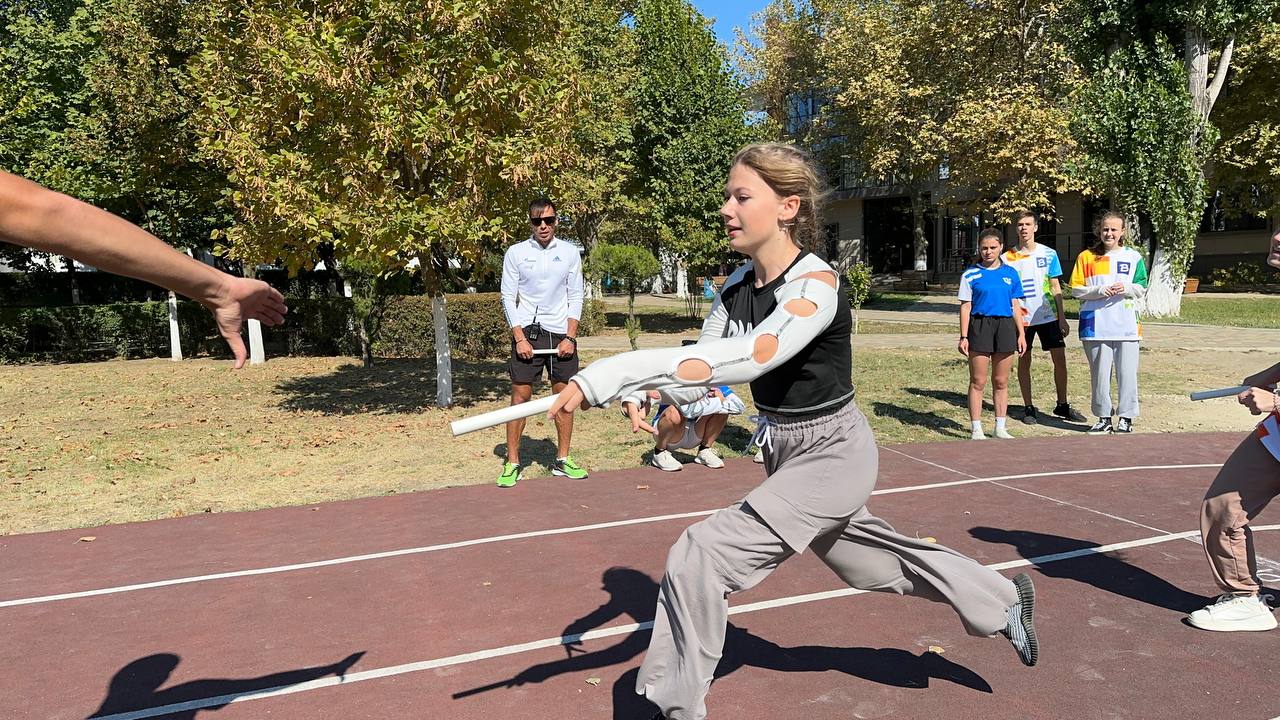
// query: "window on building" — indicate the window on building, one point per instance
point(1229, 210)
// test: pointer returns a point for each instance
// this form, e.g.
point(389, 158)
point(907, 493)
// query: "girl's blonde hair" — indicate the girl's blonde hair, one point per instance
point(1098, 248)
point(788, 170)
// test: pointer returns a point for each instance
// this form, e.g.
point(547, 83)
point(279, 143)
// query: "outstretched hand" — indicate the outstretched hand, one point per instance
point(635, 413)
point(240, 299)
point(570, 399)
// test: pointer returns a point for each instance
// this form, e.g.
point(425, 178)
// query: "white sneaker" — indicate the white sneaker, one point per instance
point(1234, 613)
point(708, 457)
point(665, 461)
point(977, 435)
point(1003, 434)
point(759, 456)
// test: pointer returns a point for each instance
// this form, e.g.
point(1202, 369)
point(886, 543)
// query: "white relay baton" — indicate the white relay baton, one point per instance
point(1219, 393)
point(502, 416)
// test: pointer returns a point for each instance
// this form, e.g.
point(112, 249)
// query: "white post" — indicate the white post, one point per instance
point(256, 355)
point(444, 366)
point(175, 338)
point(682, 280)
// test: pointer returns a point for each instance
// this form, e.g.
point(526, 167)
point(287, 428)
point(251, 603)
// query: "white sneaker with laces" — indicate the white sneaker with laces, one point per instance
point(978, 435)
point(665, 461)
point(708, 457)
point(1003, 434)
point(1235, 613)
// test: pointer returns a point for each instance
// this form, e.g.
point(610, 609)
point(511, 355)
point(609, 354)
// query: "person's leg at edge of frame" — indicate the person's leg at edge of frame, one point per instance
point(979, 366)
point(1000, 365)
point(1245, 484)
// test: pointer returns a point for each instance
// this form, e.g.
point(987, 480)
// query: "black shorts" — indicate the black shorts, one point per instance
point(527, 372)
point(992, 334)
point(1050, 335)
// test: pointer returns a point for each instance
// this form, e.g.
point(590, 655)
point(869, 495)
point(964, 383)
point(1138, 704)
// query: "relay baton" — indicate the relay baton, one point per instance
point(502, 416)
point(1219, 393)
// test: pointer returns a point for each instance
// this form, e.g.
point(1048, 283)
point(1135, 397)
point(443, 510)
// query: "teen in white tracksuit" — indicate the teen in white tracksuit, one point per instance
point(782, 324)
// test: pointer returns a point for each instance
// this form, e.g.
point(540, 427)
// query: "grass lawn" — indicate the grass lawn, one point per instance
point(88, 444)
point(1261, 311)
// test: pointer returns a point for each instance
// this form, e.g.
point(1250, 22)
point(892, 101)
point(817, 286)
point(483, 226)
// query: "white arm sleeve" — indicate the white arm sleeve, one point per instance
point(1087, 292)
point(732, 360)
point(510, 287)
point(574, 290)
point(1135, 291)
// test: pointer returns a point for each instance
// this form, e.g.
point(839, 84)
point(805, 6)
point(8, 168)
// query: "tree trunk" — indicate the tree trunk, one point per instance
point(1164, 296)
point(921, 241)
point(366, 343)
point(633, 325)
point(75, 286)
point(440, 321)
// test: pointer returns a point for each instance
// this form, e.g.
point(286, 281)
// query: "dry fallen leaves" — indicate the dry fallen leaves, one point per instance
point(642, 487)
point(593, 681)
point(936, 649)
point(88, 538)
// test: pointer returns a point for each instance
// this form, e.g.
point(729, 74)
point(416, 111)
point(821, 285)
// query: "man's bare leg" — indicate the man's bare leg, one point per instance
point(520, 393)
point(564, 426)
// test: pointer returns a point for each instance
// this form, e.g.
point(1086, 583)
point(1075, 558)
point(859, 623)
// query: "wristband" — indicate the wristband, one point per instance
point(572, 339)
point(964, 337)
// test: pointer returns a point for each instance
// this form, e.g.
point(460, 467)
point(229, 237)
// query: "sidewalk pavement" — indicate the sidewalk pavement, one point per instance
point(944, 310)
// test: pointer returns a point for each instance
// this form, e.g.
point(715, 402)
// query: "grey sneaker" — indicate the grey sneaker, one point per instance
point(1021, 629)
point(665, 461)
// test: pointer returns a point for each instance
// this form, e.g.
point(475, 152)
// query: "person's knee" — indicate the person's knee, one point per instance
point(672, 415)
point(1218, 511)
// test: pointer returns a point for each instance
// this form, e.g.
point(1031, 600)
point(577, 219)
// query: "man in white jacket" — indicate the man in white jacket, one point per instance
point(542, 297)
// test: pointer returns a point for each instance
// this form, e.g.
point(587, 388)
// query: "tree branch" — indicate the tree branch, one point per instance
point(1220, 72)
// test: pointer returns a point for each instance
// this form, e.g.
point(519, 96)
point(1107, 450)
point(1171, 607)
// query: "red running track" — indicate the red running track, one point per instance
point(454, 603)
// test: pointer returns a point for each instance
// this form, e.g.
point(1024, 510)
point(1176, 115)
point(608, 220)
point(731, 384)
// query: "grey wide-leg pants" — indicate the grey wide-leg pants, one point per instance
point(1123, 356)
point(820, 473)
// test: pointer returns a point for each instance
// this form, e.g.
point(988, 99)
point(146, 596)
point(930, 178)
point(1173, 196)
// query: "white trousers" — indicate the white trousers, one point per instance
point(1103, 355)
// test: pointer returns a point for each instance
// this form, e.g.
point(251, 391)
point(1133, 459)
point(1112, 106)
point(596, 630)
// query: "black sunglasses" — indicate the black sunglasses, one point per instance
point(542, 220)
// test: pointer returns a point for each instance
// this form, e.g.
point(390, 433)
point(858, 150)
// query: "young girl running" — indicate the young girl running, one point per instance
point(990, 329)
point(781, 323)
point(1108, 279)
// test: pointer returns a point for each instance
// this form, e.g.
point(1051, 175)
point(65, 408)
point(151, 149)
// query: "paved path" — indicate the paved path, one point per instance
point(941, 309)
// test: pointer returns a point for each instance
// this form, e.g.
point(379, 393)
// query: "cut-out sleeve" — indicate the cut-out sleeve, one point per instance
point(785, 332)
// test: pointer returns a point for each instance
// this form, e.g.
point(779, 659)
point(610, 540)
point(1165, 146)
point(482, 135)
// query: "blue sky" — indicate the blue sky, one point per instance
point(729, 13)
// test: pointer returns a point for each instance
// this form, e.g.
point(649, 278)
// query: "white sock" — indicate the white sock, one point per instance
point(999, 424)
point(976, 425)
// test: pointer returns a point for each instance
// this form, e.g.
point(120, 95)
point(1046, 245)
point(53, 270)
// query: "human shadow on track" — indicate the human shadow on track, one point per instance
point(137, 686)
point(1107, 572)
point(635, 594)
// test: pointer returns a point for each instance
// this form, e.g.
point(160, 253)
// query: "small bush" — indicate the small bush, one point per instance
point(1242, 273)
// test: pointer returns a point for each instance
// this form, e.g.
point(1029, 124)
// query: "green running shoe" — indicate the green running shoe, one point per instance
point(568, 468)
point(510, 475)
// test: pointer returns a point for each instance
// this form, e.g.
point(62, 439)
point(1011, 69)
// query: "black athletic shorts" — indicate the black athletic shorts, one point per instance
point(992, 334)
point(1050, 335)
point(528, 372)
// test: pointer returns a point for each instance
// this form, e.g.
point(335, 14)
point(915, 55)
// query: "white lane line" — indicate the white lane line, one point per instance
point(1082, 507)
point(593, 635)
point(533, 534)
point(926, 462)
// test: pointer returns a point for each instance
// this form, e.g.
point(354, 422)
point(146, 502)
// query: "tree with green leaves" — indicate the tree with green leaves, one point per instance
point(908, 89)
point(1249, 119)
point(630, 265)
point(96, 104)
point(393, 131)
point(1155, 72)
point(689, 121)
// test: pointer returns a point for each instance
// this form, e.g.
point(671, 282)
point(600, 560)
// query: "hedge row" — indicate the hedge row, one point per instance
point(326, 326)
